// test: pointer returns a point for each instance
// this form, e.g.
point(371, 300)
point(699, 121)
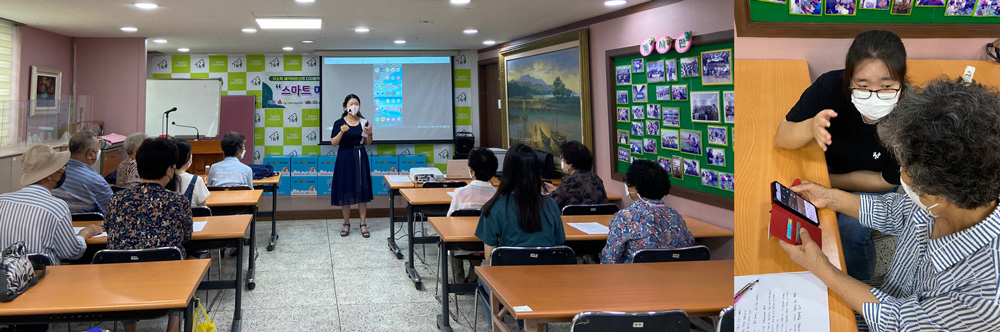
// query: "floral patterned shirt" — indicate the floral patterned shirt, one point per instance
point(646, 224)
point(148, 216)
point(581, 187)
point(128, 174)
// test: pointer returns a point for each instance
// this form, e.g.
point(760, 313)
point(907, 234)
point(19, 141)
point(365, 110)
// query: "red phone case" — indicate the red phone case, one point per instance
point(782, 220)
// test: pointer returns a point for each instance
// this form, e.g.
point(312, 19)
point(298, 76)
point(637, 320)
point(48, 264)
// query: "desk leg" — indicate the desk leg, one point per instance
point(410, 270)
point(252, 258)
point(495, 313)
point(444, 320)
point(274, 218)
point(189, 316)
point(238, 308)
point(393, 247)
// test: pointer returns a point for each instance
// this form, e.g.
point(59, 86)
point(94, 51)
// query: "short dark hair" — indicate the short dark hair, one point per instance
point(649, 179)
point(183, 152)
point(347, 100)
point(81, 142)
point(154, 157)
point(945, 137)
point(876, 44)
point(578, 155)
point(484, 163)
point(231, 143)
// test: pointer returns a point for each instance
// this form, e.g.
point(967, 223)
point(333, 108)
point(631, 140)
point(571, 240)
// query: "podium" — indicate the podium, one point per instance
point(204, 153)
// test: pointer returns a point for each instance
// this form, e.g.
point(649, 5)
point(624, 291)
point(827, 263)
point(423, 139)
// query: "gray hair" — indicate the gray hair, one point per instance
point(82, 142)
point(946, 136)
point(133, 142)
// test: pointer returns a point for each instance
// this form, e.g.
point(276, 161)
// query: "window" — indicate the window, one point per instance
point(6, 79)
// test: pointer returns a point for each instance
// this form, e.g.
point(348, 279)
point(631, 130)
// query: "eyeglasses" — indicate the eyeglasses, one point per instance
point(884, 94)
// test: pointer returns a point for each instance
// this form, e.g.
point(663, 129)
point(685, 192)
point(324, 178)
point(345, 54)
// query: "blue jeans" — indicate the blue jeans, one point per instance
point(859, 248)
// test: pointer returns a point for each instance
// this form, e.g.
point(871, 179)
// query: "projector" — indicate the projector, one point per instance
point(420, 175)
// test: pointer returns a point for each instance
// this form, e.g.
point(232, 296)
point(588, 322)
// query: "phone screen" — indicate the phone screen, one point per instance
point(795, 202)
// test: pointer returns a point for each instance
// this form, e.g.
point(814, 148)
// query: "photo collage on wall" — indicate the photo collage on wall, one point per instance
point(678, 109)
point(834, 8)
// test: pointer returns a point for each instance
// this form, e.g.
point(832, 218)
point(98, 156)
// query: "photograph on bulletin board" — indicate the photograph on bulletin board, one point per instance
point(678, 112)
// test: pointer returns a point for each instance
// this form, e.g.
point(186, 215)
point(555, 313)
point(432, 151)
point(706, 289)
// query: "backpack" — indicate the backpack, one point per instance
point(17, 273)
point(261, 171)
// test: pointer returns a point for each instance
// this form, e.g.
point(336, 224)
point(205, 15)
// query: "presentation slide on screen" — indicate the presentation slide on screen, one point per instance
point(404, 98)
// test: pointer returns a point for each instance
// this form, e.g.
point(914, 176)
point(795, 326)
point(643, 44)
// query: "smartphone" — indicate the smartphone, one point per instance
point(794, 203)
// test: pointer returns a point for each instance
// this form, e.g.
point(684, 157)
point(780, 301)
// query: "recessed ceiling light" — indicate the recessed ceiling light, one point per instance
point(183, 49)
point(361, 29)
point(460, 2)
point(129, 29)
point(160, 41)
point(305, 1)
point(287, 48)
point(249, 30)
point(470, 31)
point(307, 42)
point(145, 5)
point(490, 42)
point(290, 23)
point(399, 42)
point(615, 3)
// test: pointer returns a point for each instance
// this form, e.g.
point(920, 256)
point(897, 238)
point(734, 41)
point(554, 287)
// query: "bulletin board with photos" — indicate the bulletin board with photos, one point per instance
point(677, 109)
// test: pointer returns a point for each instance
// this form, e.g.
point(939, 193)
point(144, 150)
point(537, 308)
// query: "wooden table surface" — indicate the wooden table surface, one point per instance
point(440, 196)
point(271, 180)
point(767, 90)
point(234, 198)
point(463, 229)
point(410, 184)
point(218, 227)
point(110, 287)
point(562, 291)
point(920, 71)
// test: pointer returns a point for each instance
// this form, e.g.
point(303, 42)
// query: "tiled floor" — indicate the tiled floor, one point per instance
point(316, 280)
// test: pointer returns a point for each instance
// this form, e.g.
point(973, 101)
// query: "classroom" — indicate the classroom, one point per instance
point(847, 109)
point(331, 165)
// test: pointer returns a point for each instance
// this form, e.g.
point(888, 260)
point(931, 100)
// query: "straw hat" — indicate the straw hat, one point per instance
point(41, 161)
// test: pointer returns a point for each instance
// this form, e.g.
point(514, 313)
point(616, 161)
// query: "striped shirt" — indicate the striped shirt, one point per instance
point(84, 190)
point(42, 221)
point(947, 283)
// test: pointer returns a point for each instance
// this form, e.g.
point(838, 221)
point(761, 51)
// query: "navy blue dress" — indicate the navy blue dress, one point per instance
point(352, 180)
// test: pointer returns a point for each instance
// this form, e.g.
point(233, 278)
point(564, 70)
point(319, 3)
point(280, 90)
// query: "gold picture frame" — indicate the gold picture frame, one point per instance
point(45, 91)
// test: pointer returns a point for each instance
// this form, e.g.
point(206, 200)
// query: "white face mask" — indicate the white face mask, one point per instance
point(916, 198)
point(243, 154)
point(352, 110)
point(98, 155)
point(562, 164)
point(873, 107)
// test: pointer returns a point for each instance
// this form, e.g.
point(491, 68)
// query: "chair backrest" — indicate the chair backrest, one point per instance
point(110, 256)
point(467, 213)
point(228, 188)
point(589, 209)
point(201, 211)
point(726, 320)
point(445, 184)
point(559, 255)
point(692, 253)
point(115, 189)
point(42, 259)
point(87, 216)
point(669, 320)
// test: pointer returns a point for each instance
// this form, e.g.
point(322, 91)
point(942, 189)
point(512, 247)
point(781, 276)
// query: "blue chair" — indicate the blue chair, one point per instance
point(726, 320)
point(87, 216)
point(669, 321)
point(507, 256)
point(693, 253)
point(113, 256)
point(467, 213)
point(445, 184)
point(590, 209)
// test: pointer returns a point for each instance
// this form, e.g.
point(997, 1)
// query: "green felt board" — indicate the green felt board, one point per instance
point(762, 11)
point(694, 85)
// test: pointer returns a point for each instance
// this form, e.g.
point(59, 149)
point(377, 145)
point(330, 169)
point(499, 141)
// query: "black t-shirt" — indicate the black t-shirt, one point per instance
point(856, 145)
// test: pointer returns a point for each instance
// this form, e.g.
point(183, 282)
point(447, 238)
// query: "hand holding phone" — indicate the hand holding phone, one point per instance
point(787, 198)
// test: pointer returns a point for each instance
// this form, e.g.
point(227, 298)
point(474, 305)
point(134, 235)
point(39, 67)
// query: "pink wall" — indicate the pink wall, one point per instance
point(113, 71)
point(825, 55)
point(44, 49)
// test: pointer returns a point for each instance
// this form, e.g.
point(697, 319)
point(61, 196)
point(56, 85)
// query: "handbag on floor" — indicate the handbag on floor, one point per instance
point(202, 322)
point(18, 272)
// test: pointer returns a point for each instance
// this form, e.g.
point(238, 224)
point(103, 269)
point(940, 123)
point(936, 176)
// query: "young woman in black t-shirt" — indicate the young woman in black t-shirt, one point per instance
point(839, 112)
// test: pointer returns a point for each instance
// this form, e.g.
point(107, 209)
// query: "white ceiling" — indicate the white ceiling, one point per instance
point(214, 25)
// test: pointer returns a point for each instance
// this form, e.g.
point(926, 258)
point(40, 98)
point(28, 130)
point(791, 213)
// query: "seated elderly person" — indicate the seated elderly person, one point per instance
point(34, 216)
point(128, 175)
point(944, 275)
point(84, 190)
point(149, 215)
point(581, 186)
point(230, 171)
point(648, 223)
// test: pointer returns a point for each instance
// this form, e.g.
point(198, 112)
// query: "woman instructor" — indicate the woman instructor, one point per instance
point(352, 181)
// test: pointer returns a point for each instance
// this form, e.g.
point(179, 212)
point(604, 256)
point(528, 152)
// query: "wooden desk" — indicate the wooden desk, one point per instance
point(218, 227)
point(87, 292)
point(463, 229)
point(556, 293)
point(920, 71)
point(204, 153)
point(249, 200)
point(271, 185)
point(768, 89)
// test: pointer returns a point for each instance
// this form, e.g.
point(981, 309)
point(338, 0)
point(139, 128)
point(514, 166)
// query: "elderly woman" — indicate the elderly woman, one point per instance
point(581, 186)
point(944, 275)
